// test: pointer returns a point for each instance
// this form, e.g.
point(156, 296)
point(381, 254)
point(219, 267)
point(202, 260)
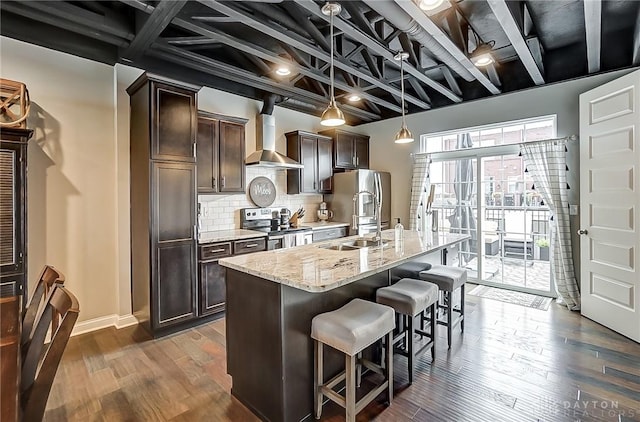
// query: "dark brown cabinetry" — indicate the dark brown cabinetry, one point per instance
point(212, 281)
point(220, 153)
point(13, 212)
point(314, 152)
point(163, 203)
point(350, 150)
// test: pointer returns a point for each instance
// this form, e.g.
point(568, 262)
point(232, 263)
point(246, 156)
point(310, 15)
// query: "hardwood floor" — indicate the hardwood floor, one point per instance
point(511, 364)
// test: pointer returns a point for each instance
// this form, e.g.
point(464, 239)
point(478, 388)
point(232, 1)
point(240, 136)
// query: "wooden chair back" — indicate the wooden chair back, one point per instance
point(42, 360)
point(48, 277)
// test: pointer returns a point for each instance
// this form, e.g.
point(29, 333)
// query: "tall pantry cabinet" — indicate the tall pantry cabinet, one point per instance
point(163, 203)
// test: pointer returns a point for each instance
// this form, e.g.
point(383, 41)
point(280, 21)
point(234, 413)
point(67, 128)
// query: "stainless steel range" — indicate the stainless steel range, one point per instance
point(279, 234)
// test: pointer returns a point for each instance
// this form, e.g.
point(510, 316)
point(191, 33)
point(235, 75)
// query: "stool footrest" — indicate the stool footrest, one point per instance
point(333, 396)
point(336, 380)
point(360, 404)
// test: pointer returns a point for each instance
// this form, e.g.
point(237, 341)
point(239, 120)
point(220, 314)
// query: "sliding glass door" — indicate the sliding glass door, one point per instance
point(492, 198)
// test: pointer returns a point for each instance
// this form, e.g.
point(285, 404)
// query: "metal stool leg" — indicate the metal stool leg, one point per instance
point(449, 296)
point(318, 380)
point(410, 348)
point(462, 308)
point(433, 325)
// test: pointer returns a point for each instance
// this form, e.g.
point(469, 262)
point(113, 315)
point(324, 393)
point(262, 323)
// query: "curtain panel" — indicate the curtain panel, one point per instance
point(419, 186)
point(547, 165)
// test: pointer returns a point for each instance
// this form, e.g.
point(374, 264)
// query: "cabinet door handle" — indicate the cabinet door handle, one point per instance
point(223, 181)
point(314, 185)
point(357, 161)
point(250, 245)
point(213, 182)
point(194, 149)
point(216, 250)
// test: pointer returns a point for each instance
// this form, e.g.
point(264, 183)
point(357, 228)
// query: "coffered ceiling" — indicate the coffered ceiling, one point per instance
point(236, 46)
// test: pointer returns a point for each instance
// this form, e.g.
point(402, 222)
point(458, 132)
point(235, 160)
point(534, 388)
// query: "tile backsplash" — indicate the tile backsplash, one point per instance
point(222, 212)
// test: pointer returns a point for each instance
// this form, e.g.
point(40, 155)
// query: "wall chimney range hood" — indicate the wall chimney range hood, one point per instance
point(266, 154)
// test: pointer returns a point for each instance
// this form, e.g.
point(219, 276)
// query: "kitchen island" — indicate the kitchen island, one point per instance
point(272, 297)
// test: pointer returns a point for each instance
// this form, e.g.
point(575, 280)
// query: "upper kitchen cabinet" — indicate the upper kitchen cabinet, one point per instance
point(350, 150)
point(220, 153)
point(314, 152)
point(174, 128)
point(163, 203)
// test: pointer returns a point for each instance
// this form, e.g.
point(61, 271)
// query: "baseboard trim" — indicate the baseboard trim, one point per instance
point(117, 321)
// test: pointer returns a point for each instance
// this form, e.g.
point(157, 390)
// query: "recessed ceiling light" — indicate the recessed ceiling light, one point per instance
point(481, 56)
point(430, 4)
point(354, 97)
point(283, 71)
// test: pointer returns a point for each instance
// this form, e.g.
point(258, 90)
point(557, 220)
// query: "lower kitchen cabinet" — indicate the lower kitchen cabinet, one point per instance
point(329, 233)
point(212, 287)
point(212, 282)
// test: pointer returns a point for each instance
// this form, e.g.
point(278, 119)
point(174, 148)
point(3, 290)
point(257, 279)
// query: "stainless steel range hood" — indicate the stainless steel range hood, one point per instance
point(266, 154)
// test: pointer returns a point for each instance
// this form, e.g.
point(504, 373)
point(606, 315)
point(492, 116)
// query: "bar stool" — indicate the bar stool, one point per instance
point(410, 298)
point(351, 329)
point(448, 279)
point(409, 269)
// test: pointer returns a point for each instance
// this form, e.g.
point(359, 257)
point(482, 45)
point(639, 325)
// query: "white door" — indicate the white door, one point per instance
point(610, 204)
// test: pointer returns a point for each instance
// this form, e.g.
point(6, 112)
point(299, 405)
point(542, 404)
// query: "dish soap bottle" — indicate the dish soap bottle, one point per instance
point(399, 232)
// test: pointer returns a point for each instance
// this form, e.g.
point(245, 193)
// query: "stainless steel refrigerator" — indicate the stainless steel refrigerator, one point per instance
point(346, 185)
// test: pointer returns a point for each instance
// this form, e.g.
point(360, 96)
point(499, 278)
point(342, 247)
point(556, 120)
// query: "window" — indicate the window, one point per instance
point(506, 133)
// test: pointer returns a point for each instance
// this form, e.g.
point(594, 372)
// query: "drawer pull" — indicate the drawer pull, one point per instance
point(250, 245)
point(216, 250)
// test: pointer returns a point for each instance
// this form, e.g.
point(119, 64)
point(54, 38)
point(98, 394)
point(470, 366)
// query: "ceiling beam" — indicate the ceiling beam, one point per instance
point(359, 20)
point(313, 31)
point(103, 23)
point(156, 22)
point(636, 43)
point(451, 80)
point(379, 50)
point(514, 33)
point(419, 90)
point(427, 24)
point(63, 23)
point(236, 74)
point(270, 56)
point(302, 45)
point(593, 29)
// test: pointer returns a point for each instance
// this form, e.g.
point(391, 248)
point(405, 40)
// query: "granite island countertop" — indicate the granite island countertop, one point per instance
point(227, 235)
point(315, 268)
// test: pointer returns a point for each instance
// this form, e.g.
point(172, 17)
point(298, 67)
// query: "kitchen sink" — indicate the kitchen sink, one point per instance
point(354, 245)
point(340, 247)
point(365, 243)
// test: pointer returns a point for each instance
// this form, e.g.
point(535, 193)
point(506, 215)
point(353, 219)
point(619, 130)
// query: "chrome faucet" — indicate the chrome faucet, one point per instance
point(377, 211)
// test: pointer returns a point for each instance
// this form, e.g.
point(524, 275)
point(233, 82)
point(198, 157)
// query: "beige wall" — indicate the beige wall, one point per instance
point(71, 170)
point(560, 99)
point(78, 199)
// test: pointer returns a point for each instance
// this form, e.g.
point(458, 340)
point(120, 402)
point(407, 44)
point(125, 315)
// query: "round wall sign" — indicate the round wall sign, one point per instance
point(262, 191)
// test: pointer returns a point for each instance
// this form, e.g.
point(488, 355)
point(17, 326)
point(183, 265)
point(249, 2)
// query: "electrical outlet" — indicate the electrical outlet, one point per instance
point(573, 209)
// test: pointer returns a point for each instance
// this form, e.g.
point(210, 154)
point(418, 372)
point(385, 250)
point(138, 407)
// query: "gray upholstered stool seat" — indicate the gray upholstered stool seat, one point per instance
point(408, 296)
point(351, 329)
point(448, 279)
point(409, 269)
point(411, 297)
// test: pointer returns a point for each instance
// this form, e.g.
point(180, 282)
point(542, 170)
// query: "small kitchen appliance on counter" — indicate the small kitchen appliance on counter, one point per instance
point(280, 236)
point(323, 213)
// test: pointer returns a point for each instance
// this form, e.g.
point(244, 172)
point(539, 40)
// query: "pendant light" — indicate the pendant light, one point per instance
point(404, 136)
point(332, 116)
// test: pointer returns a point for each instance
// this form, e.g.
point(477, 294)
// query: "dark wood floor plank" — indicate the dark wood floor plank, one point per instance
point(512, 364)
